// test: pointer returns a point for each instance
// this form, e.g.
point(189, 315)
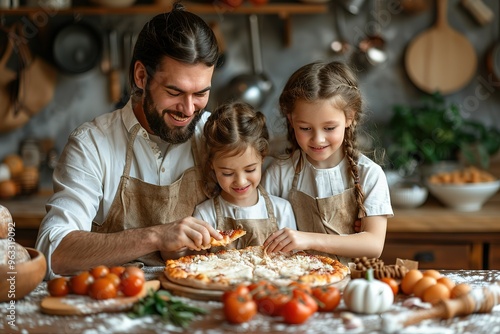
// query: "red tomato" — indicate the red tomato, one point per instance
point(272, 303)
point(328, 296)
point(102, 288)
point(259, 2)
point(239, 308)
point(240, 290)
point(58, 287)
point(133, 271)
point(131, 285)
point(299, 285)
point(115, 279)
point(117, 270)
point(296, 311)
point(99, 271)
point(261, 289)
point(306, 298)
point(392, 283)
point(80, 283)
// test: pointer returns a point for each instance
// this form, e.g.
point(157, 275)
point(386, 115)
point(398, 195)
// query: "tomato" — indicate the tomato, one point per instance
point(58, 287)
point(114, 278)
point(99, 271)
point(272, 303)
point(102, 288)
point(261, 289)
point(392, 283)
point(296, 311)
point(259, 2)
point(131, 285)
point(133, 271)
point(239, 308)
point(240, 290)
point(302, 286)
point(306, 298)
point(328, 296)
point(117, 270)
point(80, 283)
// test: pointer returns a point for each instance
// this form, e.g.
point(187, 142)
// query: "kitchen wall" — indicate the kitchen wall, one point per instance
point(82, 97)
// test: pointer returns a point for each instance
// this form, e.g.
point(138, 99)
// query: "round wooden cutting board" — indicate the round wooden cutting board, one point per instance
point(186, 291)
point(80, 305)
point(440, 59)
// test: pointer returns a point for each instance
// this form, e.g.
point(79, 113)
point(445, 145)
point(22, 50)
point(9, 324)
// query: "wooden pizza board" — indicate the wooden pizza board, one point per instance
point(440, 59)
point(216, 295)
point(189, 292)
point(81, 305)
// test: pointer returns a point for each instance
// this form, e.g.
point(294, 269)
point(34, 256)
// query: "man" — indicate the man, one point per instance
point(127, 182)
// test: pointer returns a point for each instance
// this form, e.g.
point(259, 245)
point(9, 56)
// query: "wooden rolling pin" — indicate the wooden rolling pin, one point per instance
point(480, 300)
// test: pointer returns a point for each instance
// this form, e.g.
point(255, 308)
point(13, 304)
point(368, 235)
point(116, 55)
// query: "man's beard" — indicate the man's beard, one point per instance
point(174, 135)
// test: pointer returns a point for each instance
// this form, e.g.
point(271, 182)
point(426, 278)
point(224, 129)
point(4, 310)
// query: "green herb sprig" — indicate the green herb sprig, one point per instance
point(170, 309)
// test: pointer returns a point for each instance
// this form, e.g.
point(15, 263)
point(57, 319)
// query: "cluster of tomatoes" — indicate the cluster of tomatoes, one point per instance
point(100, 282)
point(295, 303)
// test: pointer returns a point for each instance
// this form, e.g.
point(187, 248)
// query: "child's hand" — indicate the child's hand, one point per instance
point(285, 240)
point(357, 226)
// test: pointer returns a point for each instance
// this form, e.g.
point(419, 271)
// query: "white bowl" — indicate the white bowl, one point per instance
point(407, 195)
point(464, 197)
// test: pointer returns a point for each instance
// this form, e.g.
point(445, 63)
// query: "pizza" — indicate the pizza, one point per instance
point(229, 267)
point(227, 237)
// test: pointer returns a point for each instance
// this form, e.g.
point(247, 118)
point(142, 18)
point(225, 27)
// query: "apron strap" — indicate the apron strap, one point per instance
point(130, 149)
point(269, 204)
point(218, 211)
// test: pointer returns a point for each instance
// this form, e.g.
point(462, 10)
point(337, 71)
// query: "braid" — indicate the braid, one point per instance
point(352, 156)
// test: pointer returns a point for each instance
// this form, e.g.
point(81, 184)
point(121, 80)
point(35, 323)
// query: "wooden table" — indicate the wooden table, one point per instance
point(29, 319)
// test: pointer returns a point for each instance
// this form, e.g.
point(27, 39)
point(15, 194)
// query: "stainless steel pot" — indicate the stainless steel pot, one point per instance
point(253, 88)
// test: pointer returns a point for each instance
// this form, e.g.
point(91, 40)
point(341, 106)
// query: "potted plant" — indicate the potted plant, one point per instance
point(434, 131)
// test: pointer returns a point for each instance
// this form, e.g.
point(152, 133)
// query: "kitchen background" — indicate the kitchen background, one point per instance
point(82, 97)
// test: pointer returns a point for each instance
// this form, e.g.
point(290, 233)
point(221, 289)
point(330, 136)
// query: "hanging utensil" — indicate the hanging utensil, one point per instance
point(441, 59)
point(371, 49)
point(114, 70)
point(252, 88)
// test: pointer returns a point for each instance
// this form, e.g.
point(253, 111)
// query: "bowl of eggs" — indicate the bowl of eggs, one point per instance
point(463, 190)
point(21, 268)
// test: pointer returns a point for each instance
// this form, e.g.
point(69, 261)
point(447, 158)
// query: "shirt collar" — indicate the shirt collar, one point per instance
point(128, 116)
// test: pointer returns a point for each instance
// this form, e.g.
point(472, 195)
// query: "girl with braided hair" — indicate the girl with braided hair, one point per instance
point(236, 143)
point(330, 184)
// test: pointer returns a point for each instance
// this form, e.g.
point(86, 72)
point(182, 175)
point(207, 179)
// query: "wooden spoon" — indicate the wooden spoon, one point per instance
point(80, 305)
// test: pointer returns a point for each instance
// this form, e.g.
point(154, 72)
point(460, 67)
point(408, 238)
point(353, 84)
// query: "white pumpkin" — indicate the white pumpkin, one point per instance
point(368, 295)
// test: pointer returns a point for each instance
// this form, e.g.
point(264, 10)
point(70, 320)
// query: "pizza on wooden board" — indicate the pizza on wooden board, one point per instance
point(226, 268)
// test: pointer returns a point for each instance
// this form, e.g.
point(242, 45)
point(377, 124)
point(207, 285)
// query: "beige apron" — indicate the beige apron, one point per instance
point(332, 215)
point(257, 229)
point(140, 204)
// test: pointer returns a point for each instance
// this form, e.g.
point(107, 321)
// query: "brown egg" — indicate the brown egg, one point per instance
point(436, 293)
point(432, 273)
point(409, 281)
point(446, 281)
point(460, 290)
point(15, 164)
point(422, 285)
point(8, 189)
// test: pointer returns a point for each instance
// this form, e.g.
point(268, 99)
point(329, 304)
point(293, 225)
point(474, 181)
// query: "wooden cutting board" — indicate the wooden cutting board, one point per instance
point(185, 291)
point(440, 59)
point(81, 305)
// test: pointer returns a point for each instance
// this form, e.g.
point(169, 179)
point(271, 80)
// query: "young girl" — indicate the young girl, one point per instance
point(328, 182)
point(237, 142)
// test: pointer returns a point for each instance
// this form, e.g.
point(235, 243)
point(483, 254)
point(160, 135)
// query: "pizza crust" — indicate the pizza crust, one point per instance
point(227, 237)
point(226, 268)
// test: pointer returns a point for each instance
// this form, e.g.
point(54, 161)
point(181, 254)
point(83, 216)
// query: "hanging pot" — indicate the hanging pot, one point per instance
point(76, 47)
point(253, 88)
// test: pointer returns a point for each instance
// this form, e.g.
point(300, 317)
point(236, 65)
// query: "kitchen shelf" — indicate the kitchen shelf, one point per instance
point(283, 9)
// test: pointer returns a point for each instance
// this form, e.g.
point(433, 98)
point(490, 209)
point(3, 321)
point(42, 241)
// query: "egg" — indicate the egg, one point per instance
point(409, 280)
point(446, 281)
point(432, 273)
point(460, 290)
point(8, 189)
point(436, 293)
point(422, 285)
point(15, 164)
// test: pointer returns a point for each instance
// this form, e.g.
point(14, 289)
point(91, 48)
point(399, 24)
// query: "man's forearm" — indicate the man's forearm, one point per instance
point(81, 250)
